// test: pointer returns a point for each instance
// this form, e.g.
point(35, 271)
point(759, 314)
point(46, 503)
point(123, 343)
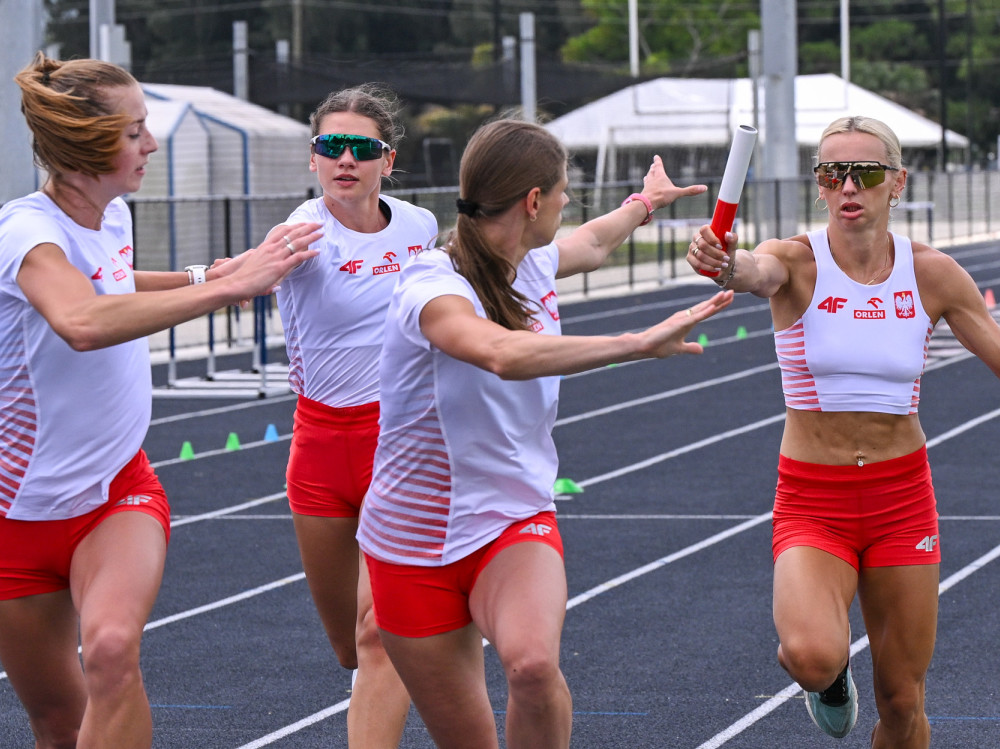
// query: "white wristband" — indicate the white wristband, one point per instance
point(196, 274)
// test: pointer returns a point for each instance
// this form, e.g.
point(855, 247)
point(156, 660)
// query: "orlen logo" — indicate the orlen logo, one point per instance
point(832, 304)
point(390, 267)
point(904, 304)
point(352, 266)
point(871, 314)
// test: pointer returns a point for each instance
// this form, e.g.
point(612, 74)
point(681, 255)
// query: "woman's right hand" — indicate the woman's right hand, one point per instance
point(261, 269)
point(706, 254)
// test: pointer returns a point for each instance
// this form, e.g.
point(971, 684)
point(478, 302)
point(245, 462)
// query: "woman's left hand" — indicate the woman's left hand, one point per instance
point(661, 190)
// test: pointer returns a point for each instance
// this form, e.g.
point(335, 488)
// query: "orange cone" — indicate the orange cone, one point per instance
point(990, 300)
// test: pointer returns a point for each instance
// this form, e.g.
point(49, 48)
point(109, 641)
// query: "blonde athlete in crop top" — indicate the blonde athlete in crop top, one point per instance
point(853, 307)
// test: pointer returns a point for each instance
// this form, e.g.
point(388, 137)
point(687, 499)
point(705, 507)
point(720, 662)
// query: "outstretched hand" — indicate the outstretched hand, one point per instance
point(661, 190)
point(262, 268)
point(667, 338)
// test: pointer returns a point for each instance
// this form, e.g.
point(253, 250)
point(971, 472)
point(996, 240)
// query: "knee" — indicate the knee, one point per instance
point(813, 665)
point(367, 630)
point(533, 676)
point(901, 707)
point(111, 659)
point(54, 732)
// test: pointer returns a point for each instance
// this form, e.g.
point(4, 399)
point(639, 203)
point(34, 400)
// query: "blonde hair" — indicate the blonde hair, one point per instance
point(66, 105)
point(871, 126)
point(503, 161)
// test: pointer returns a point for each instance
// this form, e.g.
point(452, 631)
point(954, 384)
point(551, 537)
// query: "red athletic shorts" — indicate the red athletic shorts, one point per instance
point(35, 555)
point(878, 515)
point(330, 459)
point(413, 601)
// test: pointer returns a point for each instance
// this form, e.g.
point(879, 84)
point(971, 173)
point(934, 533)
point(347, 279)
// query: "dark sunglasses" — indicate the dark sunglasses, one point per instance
point(363, 147)
point(831, 174)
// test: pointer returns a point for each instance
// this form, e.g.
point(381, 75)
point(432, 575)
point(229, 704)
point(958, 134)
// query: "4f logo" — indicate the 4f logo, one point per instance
point(352, 266)
point(536, 529)
point(133, 499)
point(927, 543)
point(832, 304)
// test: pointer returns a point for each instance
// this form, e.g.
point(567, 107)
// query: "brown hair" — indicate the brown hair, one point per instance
point(66, 106)
point(370, 100)
point(871, 126)
point(502, 163)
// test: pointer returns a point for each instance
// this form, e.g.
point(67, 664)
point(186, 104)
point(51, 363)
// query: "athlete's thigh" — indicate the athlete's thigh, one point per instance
point(813, 590)
point(519, 599)
point(900, 606)
point(38, 650)
point(445, 677)
point(116, 570)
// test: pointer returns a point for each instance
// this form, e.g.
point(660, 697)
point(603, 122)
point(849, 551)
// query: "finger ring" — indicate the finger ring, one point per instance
point(695, 251)
point(288, 244)
point(689, 312)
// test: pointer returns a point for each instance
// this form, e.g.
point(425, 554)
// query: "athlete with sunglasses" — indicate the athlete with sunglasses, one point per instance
point(854, 306)
point(333, 311)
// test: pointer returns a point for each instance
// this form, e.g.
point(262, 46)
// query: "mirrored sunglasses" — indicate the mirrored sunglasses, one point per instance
point(832, 174)
point(363, 147)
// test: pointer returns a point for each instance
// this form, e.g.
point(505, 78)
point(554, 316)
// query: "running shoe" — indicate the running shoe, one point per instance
point(835, 709)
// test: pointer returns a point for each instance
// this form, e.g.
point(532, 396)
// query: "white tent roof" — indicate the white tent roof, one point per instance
point(231, 110)
point(705, 111)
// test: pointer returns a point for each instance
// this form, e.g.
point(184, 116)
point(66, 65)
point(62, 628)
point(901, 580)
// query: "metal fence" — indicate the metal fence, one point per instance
point(937, 208)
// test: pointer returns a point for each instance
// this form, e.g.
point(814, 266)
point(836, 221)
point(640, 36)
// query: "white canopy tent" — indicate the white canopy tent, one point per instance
point(214, 147)
point(678, 112)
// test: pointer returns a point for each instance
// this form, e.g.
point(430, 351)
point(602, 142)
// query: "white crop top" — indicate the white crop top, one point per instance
point(856, 347)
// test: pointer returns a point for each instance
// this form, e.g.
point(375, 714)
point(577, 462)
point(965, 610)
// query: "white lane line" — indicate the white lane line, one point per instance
point(220, 410)
point(225, 601)
point(666, 394)
point(220, 451)
point(682, 450)
point(188, 519)
point(779, 699)
point(860, 644)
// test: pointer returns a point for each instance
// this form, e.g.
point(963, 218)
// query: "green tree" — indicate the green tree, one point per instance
point(679, 37)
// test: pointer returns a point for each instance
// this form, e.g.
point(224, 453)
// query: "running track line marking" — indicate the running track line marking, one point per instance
point(793, 689)
point(860, 644)
point(775, 701)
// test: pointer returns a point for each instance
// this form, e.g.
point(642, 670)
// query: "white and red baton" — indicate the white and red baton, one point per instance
point(732, 184)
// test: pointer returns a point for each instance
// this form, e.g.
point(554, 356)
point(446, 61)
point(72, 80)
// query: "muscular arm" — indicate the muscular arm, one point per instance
point(948, 291)
point(450, 323)
point(588, 246)
point(86, 320)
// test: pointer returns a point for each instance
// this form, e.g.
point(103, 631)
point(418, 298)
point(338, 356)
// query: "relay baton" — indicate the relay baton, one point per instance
point(732, 184)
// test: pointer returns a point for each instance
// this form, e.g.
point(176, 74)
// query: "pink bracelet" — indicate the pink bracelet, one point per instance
point(645, 201)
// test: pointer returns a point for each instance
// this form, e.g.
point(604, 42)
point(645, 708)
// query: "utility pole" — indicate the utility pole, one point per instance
point(781, 153)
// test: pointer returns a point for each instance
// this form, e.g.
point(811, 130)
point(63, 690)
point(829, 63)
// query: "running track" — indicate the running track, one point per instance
point(668, 639)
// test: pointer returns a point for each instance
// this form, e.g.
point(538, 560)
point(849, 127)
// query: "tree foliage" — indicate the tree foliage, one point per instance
point(903, 49)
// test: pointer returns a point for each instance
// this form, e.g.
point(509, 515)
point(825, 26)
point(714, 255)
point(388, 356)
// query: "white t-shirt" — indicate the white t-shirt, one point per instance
point(333, 305)
point(69, 420)
point(462, 454)
point(856, 347)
